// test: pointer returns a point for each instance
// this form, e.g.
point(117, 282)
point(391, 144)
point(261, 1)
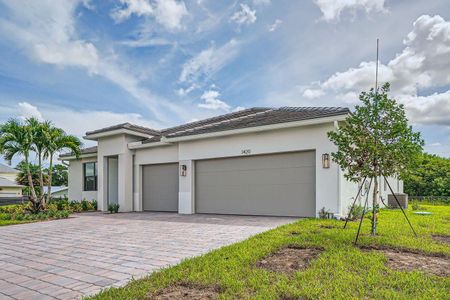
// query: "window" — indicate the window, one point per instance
point(90, 176)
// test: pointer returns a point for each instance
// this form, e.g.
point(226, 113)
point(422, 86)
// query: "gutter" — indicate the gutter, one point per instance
point(140, 145)
point(73, 157)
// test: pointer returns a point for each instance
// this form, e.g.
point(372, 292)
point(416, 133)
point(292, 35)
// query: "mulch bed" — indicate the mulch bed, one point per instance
point(442, 238)
point(186, 290)
point(409, 260)
point(289, 259)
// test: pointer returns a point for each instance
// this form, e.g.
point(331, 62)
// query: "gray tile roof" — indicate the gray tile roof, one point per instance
point(128, 126)
point(252, 117)
point(89, 150)
point(8, 183)
point(7, 169)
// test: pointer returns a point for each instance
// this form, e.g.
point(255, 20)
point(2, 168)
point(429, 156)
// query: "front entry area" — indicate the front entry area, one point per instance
point(276, 185)
point(160, 187)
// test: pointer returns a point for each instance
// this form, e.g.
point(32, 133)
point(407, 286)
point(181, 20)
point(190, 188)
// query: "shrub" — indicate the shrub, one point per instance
point(324, 213)
point(85, 205)
point(94, 204)
point(113, 208)
point(76, 206)
point(355, 212)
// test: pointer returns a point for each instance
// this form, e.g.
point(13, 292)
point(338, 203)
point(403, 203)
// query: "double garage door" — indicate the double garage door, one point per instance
point(277, 184)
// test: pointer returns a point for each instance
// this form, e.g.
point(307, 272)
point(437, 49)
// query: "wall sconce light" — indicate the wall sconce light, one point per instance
point(326, 161)
point(183, 170)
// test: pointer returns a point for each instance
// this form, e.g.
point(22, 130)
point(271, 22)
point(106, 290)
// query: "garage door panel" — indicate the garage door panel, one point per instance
point(160, 187)
point(279, 184)
point(283, 160)
point(261, 176)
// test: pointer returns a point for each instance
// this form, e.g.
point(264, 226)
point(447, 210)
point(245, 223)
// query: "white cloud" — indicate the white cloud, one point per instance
point(261, 2)
point(274, 26)
point(46, 31)
point(129, 7)
point(244, 16)
point(423, 64)
point(332, 9)
point(209, 61)
point(168, 13)
point(238, 108)
point(69, 119)
point(26, 110)
point(213, 102)
point(312, 94)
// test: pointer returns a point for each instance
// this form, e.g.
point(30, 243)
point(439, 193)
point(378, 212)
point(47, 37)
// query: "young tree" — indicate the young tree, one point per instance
point(376, 141)
point(22, 176)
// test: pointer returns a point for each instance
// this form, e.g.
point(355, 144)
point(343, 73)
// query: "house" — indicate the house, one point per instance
point(8, 186)
point(58, 191)
point(258, 161)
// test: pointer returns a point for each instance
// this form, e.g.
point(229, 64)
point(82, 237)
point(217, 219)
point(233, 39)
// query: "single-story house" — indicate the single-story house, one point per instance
point(257, 161)
point(58, 191)
point(9, 188)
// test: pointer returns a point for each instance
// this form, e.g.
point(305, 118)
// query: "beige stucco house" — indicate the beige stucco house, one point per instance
point(8, 185)
point(258, 161)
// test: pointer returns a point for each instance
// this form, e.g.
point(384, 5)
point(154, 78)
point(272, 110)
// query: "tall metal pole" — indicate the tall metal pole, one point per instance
point(376, 70)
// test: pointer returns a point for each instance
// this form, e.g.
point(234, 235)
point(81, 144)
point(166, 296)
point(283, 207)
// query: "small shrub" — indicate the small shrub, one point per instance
point(76, 206)
point(94, 204)
point(19, 217)
point(416, 206)
point(324, 213)
point(113, 208)
point(355, 212)
point(85, 205)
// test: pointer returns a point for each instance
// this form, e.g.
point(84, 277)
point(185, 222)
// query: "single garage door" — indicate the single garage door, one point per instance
point(276, 184)
point(160, 187)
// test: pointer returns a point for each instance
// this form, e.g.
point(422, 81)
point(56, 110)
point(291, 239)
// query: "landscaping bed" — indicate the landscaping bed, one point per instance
point(56, 209)
point(315, 259)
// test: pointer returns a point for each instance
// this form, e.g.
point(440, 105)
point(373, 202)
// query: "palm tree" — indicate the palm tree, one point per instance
point(41, 132)
point(16, 139)
point(57, 141)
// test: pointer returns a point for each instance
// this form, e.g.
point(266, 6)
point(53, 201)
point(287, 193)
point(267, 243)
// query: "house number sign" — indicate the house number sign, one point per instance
point(246, 151)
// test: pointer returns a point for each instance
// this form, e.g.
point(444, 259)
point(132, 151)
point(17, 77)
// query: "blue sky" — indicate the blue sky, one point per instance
point(90, 64)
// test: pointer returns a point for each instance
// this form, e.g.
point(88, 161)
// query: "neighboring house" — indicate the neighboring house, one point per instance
point(8, 186)
point(258, 161)
point(58, 191)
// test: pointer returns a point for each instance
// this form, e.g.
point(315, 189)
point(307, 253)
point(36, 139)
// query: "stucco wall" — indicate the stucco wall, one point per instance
point(10, 192)
point(76, 192)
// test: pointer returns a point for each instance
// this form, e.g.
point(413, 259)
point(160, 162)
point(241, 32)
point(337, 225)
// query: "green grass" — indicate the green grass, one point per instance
point(342, 271)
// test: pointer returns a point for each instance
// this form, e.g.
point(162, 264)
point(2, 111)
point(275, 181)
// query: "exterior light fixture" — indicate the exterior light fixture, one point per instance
point(183, 170)
point(326, 161)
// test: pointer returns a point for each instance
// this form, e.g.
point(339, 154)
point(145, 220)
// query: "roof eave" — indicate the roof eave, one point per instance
point(73, 157)
point(98, 135)
point(314, 121)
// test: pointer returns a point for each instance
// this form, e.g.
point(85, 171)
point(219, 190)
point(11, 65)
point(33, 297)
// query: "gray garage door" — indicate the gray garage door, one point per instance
point(160, 187)
point(277, 185)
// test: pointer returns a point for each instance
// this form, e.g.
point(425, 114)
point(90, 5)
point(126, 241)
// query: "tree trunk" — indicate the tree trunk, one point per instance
point(50, 176)
point(33, 197)
point(374, 206)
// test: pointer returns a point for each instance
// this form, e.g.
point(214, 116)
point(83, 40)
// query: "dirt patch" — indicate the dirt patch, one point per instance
point(185, 290)
point(407, 260)
point(289, 259)
point(326, 226)
point(442, 238)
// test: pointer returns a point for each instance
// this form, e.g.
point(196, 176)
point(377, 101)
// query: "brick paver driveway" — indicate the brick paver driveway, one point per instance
point(66, 259)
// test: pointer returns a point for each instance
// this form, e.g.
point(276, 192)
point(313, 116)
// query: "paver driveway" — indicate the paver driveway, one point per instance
point(66, 259)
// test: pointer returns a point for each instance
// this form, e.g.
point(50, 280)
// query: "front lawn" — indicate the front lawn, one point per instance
point(340, 271)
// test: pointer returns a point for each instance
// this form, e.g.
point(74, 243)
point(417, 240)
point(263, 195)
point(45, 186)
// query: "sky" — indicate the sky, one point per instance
point(90, 64)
